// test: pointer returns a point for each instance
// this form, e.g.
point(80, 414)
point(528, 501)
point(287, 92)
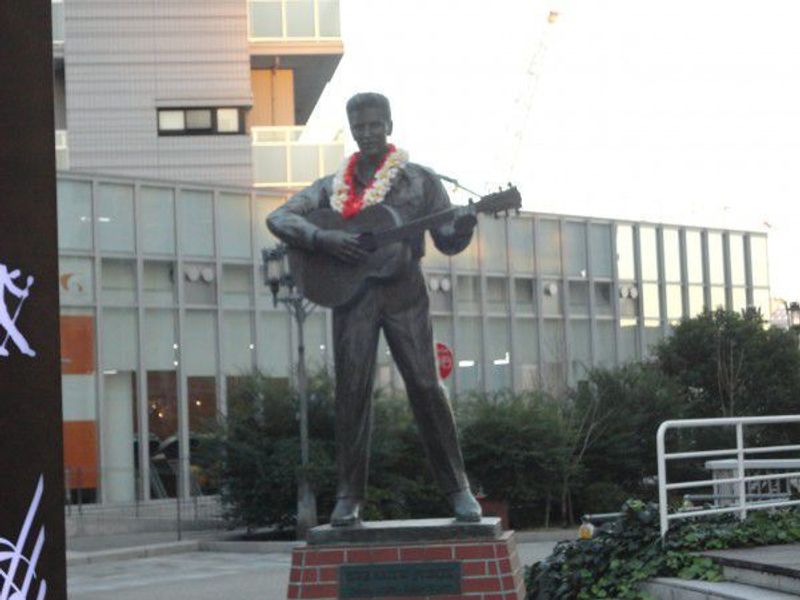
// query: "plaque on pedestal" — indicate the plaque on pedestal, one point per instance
point(426, 558)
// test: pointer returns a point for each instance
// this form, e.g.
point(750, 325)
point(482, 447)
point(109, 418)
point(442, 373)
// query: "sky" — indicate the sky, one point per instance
point(676, 111)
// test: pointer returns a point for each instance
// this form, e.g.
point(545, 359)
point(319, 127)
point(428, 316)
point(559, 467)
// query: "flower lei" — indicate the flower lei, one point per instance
point(347, 201)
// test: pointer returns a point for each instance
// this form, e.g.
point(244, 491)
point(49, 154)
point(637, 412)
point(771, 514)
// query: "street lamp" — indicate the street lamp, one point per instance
point(279, 279)
point(792, 314)
point(793, 318)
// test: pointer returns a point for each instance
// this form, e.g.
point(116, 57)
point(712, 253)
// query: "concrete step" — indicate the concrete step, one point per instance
point(668, 588)
point(774, 568)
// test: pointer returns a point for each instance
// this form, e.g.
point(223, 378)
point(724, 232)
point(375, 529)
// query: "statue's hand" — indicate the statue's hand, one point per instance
point(340, 244)
point(464, 221)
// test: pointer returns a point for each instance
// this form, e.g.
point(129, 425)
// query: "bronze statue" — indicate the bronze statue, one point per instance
point(394, 300)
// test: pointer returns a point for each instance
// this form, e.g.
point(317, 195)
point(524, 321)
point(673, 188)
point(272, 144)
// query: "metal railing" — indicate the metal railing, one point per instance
point(122, 509)
point(293, 20)
point(745, 489)
point(282, 158)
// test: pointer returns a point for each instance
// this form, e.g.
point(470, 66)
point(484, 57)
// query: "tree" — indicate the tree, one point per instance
point(627, 405)
point(729, 364)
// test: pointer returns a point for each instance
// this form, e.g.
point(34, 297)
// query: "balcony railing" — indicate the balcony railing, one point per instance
point(62, 150)
point(281, 158)
point(58, 22)
point(294, 20)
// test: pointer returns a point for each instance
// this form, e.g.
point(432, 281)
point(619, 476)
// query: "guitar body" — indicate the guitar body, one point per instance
point(326, 280)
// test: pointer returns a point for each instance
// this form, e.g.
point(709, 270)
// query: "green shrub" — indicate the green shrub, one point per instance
point(254, 454)
point(401, 485)
point(254, 451)
point(629, 551)
point(517, 448)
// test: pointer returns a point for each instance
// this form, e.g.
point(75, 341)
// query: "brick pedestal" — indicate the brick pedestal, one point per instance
point(481, 569)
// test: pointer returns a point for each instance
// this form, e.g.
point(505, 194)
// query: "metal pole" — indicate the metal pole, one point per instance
point(178, 525)
point(306, 502)
point(740, 471)
point(663, 508)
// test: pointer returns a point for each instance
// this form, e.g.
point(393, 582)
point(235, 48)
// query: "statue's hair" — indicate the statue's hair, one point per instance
point(369, 99)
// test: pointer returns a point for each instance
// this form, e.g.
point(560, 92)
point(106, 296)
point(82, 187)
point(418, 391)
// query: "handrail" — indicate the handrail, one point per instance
point(739, 464)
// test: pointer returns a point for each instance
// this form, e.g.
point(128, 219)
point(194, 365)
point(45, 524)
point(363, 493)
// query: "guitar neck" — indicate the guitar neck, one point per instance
point(493, 203)
point(402, 232)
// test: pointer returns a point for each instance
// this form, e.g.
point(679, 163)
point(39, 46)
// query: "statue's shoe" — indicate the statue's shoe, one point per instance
point(465, 507)
point(347, 512)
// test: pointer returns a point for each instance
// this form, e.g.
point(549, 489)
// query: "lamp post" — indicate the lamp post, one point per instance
point(793, 318)
point(279, 279)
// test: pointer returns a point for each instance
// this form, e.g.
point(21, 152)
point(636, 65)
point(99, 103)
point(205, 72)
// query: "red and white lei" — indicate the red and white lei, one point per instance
point(346, 201)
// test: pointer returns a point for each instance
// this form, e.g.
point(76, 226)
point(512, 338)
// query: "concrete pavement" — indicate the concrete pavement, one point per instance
point(151, 567)
point(187, 576)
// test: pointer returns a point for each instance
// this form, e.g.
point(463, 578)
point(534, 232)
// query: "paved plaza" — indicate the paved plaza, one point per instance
point(205, 575)
point(192, 575)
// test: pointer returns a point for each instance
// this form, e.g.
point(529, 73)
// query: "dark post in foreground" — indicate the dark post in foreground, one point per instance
point(32, 561)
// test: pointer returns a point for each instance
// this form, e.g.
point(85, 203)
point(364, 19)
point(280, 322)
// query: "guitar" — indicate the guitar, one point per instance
point(330, 282)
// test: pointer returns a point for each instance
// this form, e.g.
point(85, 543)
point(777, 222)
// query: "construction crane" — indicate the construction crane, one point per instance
point(523, 103)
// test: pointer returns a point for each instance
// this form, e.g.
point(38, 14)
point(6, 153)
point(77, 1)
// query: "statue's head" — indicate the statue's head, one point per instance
point(370, 118)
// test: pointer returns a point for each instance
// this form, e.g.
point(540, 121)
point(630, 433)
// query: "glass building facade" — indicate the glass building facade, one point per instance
point(163, 306)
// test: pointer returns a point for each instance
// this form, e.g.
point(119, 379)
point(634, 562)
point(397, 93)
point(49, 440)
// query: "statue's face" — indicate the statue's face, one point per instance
point(370, 128)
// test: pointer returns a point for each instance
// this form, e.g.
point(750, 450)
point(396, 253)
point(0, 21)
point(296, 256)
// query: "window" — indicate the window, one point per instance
point(468, 292)
point(579, 297)
point(602, 298)
point(493, 244)
point(497, 292)
point(601, 250)
point(648, 244)
point(171, 120)
point(675, 301)
point(200, 121)
point(228, 120)
point(650, 301)
point(758, 260)
point(736, 242)
point(672, 255)
point(625, 261)
point(575, 248)
point(521, 244)
point(716, 259)
point(525, 295)
point(694, 257)
point(549, 247)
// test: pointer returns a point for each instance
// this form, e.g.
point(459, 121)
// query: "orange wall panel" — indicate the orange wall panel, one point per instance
point(273, 97)
point(77, 344)
point(80, 454)
point(283, 97)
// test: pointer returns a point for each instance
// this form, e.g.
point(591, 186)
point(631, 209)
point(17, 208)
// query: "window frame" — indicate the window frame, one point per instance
point(212, 130)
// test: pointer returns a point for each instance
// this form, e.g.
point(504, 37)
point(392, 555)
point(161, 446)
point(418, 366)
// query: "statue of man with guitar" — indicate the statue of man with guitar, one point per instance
point(356, 239)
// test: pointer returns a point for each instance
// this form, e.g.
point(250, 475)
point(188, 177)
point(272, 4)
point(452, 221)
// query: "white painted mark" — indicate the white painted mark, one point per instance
point(7, 322)
point(18, 571)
